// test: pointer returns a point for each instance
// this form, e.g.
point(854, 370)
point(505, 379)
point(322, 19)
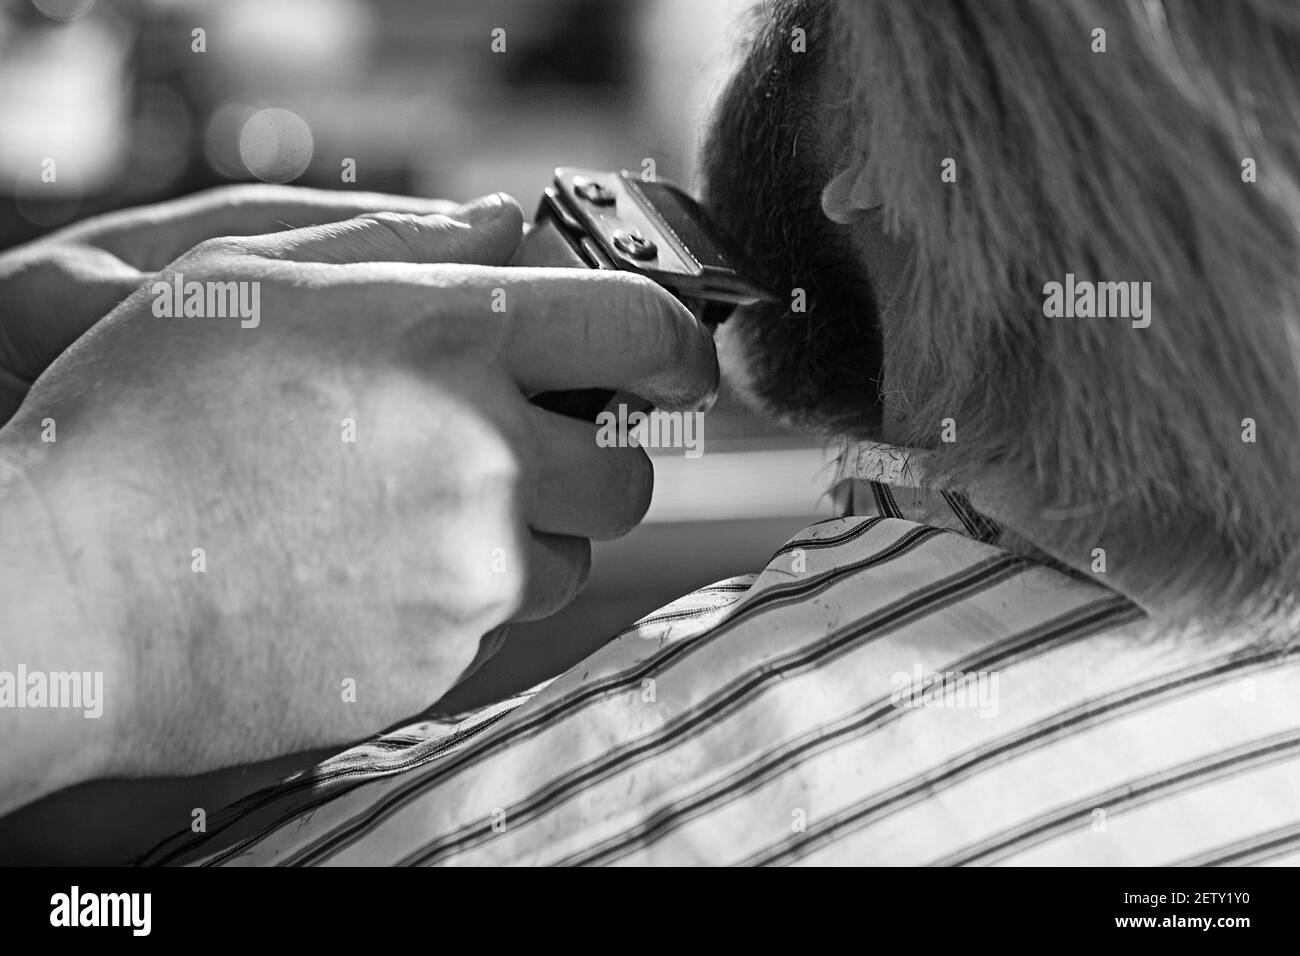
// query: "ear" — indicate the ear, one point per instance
point(850, 193)
point(851, 199)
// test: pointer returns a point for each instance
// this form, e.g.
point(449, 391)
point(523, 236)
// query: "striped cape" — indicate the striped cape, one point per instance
point(887, 690)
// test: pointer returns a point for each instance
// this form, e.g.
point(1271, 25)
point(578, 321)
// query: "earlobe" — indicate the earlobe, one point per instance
point(835, 197)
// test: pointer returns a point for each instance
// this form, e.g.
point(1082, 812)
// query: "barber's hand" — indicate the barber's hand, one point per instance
point(54, 289)
point(371, 490)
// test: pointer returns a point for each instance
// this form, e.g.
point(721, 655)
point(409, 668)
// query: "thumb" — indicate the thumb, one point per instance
point(483, 232)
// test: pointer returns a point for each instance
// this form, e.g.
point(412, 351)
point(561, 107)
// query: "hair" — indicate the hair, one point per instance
point(1123, 165)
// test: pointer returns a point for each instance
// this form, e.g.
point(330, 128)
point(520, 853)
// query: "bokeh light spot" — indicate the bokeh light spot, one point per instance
point(275, 145)
point(63, 9)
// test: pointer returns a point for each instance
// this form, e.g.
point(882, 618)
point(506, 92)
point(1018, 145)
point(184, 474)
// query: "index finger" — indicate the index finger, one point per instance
point(579, 328)
point(547, 329)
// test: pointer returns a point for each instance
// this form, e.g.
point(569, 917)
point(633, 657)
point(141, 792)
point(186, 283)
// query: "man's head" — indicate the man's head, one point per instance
point(976, 152)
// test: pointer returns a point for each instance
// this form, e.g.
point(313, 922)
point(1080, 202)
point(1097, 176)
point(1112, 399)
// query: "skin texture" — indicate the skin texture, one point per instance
point(459, 507)
point(57, 287)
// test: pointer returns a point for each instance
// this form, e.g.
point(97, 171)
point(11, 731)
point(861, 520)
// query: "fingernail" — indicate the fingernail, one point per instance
point(482, 209)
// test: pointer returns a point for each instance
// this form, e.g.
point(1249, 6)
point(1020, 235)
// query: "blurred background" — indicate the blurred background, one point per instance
point(140, 100)
point(121, 102)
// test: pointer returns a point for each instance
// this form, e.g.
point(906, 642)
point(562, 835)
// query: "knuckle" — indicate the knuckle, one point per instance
point(218, 247)
point(488, 584)
point(405, 229)
point(494, 580)
point(397, 227)
point(504, 594)
point(393, 220)
point(212, 257)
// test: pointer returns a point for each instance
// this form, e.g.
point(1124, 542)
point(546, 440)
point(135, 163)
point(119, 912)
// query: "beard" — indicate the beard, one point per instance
point(813, 359)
